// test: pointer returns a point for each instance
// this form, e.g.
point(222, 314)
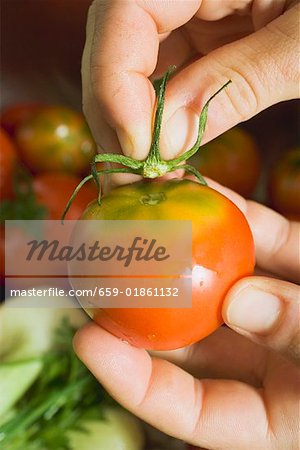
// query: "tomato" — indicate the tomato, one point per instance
point(284, 184)
point(2, 252)
point(8, 160)
point(222, 252)
point(56, 139)
point(232, 160)
point(13, 116)
point(53, 190)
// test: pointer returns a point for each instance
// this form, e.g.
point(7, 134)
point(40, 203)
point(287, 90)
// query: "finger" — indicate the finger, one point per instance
point(224, 354)
point(276, 239)
point(263, 68)
point(175, 50)
point(171, 399)
point(122, 55)
point(103, 134)
point(267, 311)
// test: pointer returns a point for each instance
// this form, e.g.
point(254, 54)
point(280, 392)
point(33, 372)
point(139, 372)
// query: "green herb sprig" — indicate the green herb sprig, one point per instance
point(64, 395)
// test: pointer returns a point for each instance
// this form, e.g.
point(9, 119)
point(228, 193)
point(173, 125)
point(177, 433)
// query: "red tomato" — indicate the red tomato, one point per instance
point(8, 161)
point(222, 251)
point(284, 184)
point(13, 116)
point(56, 139)
point(232, 160)
point(2, 252)
point(53, 191)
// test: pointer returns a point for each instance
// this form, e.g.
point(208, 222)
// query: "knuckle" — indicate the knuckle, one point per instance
point(243, 94)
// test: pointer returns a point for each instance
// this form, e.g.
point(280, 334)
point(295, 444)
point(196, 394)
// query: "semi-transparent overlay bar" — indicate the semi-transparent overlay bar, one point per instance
point(101, 264)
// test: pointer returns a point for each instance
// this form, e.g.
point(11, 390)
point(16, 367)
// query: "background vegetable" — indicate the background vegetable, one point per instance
point(53, 190)
point(56, 139)
point(58, 403)
point(284, 184)
point(14, 115)
point(232, 160)
point(8, 162)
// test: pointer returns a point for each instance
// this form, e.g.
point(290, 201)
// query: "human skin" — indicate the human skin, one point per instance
point(238, 388)
point(253, 43)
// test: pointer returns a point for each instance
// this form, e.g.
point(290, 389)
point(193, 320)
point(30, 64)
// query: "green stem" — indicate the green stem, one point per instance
point(190, 169)
point(201, 128)
point(120, 159)
point(154, 153)
point(27, 418)
point(154, 166)
point(91, 177)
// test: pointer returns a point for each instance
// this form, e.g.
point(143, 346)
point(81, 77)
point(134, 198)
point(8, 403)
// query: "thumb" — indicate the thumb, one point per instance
point(266, 310)
point(263, 68)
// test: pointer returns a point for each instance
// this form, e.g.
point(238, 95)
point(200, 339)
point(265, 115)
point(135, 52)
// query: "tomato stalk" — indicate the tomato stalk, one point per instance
point(153, 166)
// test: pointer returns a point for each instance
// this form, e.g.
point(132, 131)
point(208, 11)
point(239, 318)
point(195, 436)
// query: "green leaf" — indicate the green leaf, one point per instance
point(61, 398)
point(25, 205)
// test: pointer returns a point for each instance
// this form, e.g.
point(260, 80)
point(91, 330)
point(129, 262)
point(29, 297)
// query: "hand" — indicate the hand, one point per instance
point(252, 42)
point(239, 387)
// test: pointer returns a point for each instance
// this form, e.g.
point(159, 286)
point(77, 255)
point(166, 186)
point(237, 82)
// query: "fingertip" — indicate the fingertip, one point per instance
point(129, 111)
point(135, 141)
point(121, 368)
point(179, 133)
point(251, 306)
point(83, 337)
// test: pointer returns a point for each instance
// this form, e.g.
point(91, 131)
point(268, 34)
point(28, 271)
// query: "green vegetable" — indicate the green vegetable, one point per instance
point(63, 396)
point(15, 379)
point(24, 205)
point(119, 431)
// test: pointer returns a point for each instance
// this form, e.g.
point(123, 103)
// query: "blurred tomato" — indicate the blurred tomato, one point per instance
point(13, 116)
point(8, 160)
point(284, 184)
point(2, 252)
point(57, 139)
point(231, 159)
point(53, 191)
point(46, 198)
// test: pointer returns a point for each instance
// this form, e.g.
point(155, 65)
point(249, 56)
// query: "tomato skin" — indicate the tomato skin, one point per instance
point(56, 139)
point(232, 160)
point(13, 116)
point(8, 160)
point(2, 252)
point(284, 184)
point(53, 191)
point(217, 252)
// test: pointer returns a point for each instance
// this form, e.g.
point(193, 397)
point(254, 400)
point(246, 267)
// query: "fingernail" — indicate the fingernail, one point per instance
point(136, 146)
point(179, 133)
point(254, 310)
point(125, 142)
